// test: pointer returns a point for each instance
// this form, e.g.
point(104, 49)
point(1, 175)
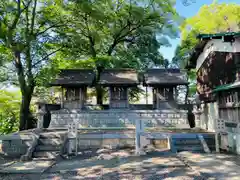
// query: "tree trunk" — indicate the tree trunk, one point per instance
point(187, 91)
point(27, 85)
point(99, 92)
point(25, 114)
point(26, 117)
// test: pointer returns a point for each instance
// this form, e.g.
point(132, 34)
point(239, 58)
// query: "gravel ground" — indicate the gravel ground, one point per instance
point(165, 173)
point(114, 165)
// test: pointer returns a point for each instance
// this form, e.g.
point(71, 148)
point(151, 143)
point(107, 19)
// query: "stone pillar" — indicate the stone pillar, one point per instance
point(41, 112)
point(205, 113)
point(73, 139)
point(139, 129)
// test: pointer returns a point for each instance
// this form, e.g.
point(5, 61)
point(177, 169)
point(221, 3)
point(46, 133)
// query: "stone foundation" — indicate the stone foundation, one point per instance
point(101, 143)
point(117, 118)
point(16, 145)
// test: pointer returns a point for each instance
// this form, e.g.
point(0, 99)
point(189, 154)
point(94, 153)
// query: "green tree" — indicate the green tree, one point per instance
point(26, 42)
point(118, 33)
point(9, 111)
point(212, 18)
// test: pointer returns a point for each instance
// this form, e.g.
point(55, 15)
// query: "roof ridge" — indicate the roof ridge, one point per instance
point(76, 69)
point(119, 69)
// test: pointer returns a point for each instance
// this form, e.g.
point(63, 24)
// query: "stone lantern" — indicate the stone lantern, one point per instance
point(41, 111)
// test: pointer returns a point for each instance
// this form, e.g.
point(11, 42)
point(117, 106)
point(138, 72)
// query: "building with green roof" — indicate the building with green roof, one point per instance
point(216, 58)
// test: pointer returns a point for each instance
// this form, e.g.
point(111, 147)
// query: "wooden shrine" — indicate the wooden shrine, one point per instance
point(164, 84)
point(74, 83)
point(119, 81)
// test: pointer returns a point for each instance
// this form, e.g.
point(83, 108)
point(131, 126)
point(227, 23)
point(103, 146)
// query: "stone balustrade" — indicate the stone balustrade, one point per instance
point(117, 118)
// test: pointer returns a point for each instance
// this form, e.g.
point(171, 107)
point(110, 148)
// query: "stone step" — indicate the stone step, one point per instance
point(192, 144)
point(51, 135)
point(192, 148)
point(52, 141)
point(47, 148)
point(186, 142)
point(44, 154)
point(210, 142)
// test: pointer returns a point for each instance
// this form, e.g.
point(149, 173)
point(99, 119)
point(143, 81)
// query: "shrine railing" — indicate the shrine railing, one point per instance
point(117, 118)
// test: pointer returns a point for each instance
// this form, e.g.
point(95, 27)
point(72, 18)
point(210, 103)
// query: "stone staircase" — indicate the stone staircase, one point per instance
point(49, 145)
point(210, 140)
point(192, 143)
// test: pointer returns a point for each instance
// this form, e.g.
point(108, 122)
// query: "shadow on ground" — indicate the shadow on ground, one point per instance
point(122, 164)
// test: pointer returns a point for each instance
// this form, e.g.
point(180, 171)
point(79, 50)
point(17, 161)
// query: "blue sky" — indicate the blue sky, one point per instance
point(187, 11)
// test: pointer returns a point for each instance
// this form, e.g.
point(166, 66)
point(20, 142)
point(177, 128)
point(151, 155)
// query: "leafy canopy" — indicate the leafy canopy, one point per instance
point(210, 19)
point(125, 30)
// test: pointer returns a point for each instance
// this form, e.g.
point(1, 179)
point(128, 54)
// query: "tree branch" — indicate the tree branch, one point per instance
point(91, 39)
point(50, 27)
point(16, 19)
point(17, 16)
point(33, 16)
point(121, 38)
point(46, 57)
point(19, 12)
point(27, 21)
point(19, 67)
point(26, 5)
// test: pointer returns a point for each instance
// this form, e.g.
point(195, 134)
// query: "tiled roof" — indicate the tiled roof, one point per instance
point(203, 40)
point(74, 77)
point(119, 77)
point(164, 77)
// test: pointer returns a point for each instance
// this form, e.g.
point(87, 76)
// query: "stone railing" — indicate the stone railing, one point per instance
point(117, 118)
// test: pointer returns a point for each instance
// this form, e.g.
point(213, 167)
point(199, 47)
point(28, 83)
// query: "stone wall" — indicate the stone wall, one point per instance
point(16, 145)
point(115, 139)
point(117, 118)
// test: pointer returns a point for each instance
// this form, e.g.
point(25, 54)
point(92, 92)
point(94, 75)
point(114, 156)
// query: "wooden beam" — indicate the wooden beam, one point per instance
point(62, 98)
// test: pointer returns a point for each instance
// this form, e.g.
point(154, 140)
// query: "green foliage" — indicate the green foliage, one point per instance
point(27, 41)
point(125, 30)
point(115, 34)
point(9, 111)
point(212, 18)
